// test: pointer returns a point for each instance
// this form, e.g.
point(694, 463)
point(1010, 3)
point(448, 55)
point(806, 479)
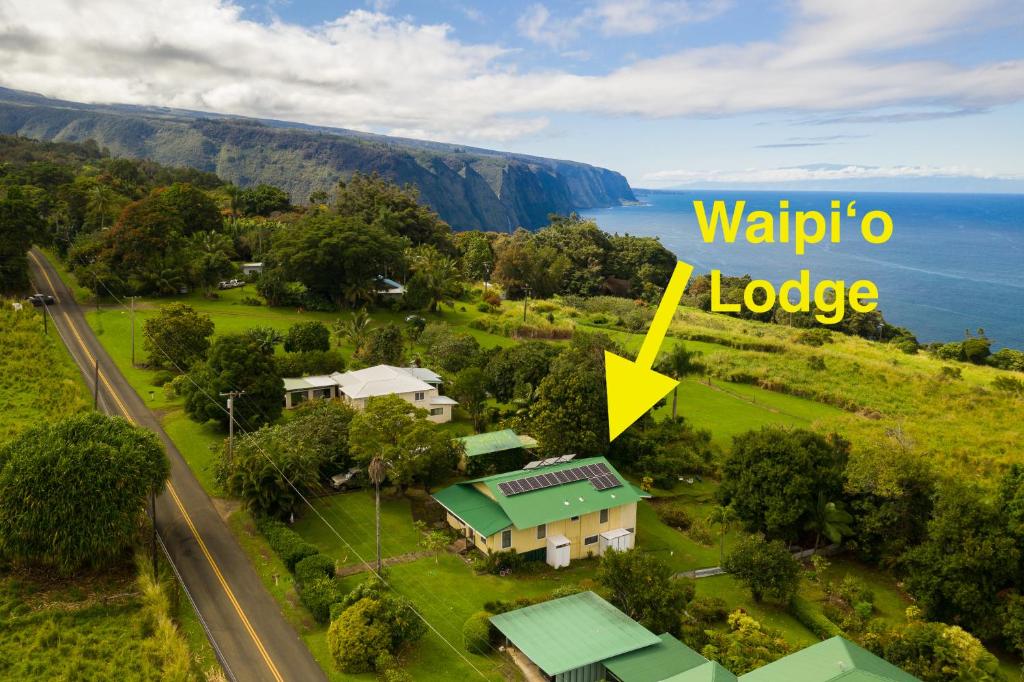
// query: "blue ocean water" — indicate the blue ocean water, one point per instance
point(954, 261)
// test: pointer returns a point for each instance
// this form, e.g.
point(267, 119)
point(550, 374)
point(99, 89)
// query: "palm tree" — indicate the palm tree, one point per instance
point(723, 516)
point(376, 472)
point(354, 330)
point(266, 338)
point(829, 519)
point(438, 274)
point(678, 363)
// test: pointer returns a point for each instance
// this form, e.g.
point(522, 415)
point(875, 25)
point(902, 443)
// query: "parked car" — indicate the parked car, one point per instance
point(40, 299)
point(230, 284)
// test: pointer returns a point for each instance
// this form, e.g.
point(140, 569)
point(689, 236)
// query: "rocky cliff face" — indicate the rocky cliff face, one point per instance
point(470, 188)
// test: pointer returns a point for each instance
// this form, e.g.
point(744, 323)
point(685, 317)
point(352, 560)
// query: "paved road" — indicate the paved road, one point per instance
point(244, 621)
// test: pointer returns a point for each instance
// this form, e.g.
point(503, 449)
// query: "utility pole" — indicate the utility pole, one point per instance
point(152, 516)
point(231, 395)
point(526, 291)
point(96, 384)
point(132, 299)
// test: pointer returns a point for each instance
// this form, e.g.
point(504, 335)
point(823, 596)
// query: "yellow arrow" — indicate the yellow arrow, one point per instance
point(633, 387)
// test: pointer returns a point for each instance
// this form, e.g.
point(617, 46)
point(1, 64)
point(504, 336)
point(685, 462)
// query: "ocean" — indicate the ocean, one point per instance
point(954, 261)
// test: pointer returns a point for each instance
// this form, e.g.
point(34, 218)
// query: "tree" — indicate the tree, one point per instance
point(449, 349)
point(413, 449)
point(209, 256)
point(829, 519)
point(373, 201)
point(746, 646)
point(933, 652)
point(336, 257)
point(197, 211)
point(372, 621)
point(72, 492)
point(20, 223)
point(355, 330)
point(266, 337)
point(522, 364)
point(307, 336)
point(722, 516)
point(385, 345)
point(262, 200)
point(433, 541)
point(308, 448)
point(235, 363)
point(678, 363)
point(477, 259)
point(570, 413)
point(765, 567)
point(773, 477)
point(666, 450)
point(470, 389)
point(177, 337)
point(1013, 622)
point(968, 557)
point(436, 275)
point(643, 587)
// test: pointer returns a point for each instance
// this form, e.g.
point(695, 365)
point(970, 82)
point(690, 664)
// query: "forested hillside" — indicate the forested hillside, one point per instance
point(470, 188)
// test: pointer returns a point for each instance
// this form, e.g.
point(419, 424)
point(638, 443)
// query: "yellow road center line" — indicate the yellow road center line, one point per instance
point(170, 488)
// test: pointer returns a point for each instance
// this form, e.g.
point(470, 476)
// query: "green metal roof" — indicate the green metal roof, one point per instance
point(712, 671)
point(833, 659)
point(571, 632)
point(495, 441)
point(527, 510)
point(473, 507)
point(655, 663)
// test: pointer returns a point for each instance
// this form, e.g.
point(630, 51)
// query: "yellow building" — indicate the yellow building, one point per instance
point(557, 510)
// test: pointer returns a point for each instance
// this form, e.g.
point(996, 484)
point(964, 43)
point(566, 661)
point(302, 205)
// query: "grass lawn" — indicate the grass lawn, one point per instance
point(352, 514)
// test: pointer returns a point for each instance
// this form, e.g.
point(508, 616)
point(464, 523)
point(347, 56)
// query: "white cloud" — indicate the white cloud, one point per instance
point(367, 70)
point(614, 18)
point(826, 172)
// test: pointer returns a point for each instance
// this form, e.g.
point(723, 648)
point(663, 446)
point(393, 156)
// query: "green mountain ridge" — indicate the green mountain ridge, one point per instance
point(471, 188)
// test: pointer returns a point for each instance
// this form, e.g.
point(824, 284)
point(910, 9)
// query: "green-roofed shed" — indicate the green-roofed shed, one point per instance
point(712, 671)
point(568, 638)
point(488, 453)
point(833, 659)
point(653, 663)
point(473, 508)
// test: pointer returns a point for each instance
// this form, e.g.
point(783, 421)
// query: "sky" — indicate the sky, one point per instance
point(668, 92)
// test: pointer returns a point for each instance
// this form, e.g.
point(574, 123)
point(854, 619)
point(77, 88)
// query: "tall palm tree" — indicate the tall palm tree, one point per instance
point(679, 363)
point(438, 274)
point(376, 471)
point(829, 519)
point(355, 330)
point(723, 516)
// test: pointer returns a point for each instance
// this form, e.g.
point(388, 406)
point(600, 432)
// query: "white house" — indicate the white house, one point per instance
point(389, 289)
point(417, 385)
point(252, 268)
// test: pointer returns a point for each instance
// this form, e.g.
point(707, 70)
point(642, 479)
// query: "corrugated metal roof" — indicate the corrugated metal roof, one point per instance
point(833, 659)
point(712, 671)
point(571, 632)
point(655, 663)
point(473, 507)
point(379, 380)
point(495, 441)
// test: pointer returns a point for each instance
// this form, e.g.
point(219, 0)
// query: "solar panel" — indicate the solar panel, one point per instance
point(562, 477)
point(591, 471)
point(515, 486)
point(531, 465)
point(566, 458)
point(534, 482)
point(603, 468)
point(548, 462)
point(505, 489)
point(553, 479)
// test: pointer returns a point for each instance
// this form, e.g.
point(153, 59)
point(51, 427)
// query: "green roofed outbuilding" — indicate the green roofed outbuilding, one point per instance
point(569, 638)
point(654, 663)
point(711, 671)
point(833, 659)
point(489, 453)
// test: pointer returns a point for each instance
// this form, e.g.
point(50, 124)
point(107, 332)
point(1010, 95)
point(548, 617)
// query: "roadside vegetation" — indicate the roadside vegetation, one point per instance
point(901, 459)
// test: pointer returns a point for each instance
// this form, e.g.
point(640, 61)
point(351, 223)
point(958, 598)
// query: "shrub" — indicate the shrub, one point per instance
point(309, 362)
point(319, 594)
point(816, 363)
point(674, 516)
point(496, 562)
point(484, 307)
point(906, 345)
point(307, 336)
point(853, 590)
point(815, 621)
point(701, 533)
point(1007, 358)
point(492, 298)
point(476, 633)
point(163, 377)
point(814, 337)
point(636, 320)
point(312, 567)
point(285, 542)
point(1008, 385)
point(708, 610)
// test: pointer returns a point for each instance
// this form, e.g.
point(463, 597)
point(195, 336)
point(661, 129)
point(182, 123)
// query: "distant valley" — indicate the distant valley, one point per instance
point(470, 188)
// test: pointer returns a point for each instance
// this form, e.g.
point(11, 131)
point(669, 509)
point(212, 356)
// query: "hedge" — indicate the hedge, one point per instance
point(476, 633)
point(285, 542)
point(319, 595)
point(312, 567)
point(815, 621)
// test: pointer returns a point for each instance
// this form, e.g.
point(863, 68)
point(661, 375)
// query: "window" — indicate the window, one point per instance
point(436, 411)
point(542, 531)
point(506, 539)
point(575, 518)
point(418, 396)
point(604, 516)
point(590, 540)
